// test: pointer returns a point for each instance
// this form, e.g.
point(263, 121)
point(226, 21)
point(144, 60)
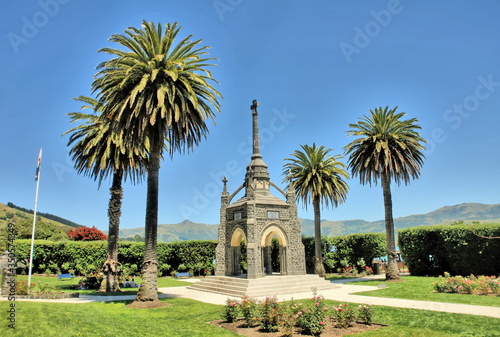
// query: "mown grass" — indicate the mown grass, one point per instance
point(66, 284)
point(412, 322)
point(182, 318)
point(420, 288)
point(185, 317)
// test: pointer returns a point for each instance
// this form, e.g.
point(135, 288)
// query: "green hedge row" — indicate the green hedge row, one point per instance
point(343, 251)
point(84, 257)
point(451, 248)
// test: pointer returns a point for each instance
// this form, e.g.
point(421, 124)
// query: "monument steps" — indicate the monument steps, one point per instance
point(265, 286)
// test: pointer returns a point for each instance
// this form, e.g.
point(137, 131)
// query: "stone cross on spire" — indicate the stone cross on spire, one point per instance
point(256, 145)
point(225, 187)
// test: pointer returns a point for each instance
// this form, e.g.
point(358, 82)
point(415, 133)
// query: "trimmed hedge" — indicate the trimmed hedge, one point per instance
point(346, 249)
point(433, 250)
point(84, 257)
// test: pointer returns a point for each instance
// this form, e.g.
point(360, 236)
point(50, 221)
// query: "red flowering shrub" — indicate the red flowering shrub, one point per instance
point(86, 234)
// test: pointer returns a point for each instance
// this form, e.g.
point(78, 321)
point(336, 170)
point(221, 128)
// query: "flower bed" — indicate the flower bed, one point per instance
point(42, 290)
point(48, 296)
point(309, 318)
point(481, 285)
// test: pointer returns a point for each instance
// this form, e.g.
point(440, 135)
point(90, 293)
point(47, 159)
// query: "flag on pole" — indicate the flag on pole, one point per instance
point(37, 176)
point(38, 165)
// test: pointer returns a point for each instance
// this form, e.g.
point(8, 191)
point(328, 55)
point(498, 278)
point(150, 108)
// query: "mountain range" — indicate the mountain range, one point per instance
point(468, 212)
point(188, 230)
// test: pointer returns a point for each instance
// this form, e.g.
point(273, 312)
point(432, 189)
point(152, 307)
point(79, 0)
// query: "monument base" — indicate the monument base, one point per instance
point(269, 285)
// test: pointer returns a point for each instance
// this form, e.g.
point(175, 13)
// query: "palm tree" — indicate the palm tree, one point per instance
point(317, 176)
point(388, 148)
point(98, 152)
point(161, 90)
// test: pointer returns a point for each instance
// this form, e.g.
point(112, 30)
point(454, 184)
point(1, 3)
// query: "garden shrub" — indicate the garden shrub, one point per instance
point(433, 250)
point(312, 318)
point(231, 311)
point(248, 308)
point(22, 287)
point(195, 256)
point(288, 318)
point(84, 257)
point(365, 314)
point(467, 285)
point(343, 315)
point(269, 314)
point(344, 251)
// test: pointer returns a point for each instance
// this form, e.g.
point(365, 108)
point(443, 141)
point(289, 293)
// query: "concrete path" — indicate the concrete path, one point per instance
point(345, 293)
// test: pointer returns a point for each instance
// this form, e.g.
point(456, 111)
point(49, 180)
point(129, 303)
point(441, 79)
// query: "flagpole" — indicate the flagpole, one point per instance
point(37, 177)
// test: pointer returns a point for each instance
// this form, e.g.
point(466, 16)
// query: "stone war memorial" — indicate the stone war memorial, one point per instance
point(257, 218)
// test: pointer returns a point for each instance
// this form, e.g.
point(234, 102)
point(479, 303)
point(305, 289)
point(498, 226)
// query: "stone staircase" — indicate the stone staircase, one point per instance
point(265, 286)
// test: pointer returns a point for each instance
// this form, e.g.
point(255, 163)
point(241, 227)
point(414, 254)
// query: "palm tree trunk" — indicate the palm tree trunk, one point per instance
point(110, 267)
point(319, 269)
point(392, 272)
point(149, 290)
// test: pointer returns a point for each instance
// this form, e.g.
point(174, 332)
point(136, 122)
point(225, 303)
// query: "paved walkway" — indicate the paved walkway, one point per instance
point(344, 293)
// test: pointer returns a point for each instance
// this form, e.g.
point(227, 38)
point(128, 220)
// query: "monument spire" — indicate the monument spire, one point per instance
point(257, 177)
point(256, 145)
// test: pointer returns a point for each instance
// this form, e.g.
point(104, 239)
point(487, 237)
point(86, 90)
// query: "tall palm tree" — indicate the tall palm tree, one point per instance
point(388, 148)
point(98, 152)
point(318, 177)
point(162, 90)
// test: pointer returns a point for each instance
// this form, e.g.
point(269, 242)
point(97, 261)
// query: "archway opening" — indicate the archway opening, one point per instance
point(274, 259)
point(238, 253)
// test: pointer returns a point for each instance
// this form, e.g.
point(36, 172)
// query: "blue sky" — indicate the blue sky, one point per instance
point(314, 67)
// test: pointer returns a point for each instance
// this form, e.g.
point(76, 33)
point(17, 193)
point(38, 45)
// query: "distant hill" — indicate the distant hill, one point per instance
point(188, 230)
point(46, 215)
point(185, 230)
point(445, 215)
point(468, 212)
point(20, 213)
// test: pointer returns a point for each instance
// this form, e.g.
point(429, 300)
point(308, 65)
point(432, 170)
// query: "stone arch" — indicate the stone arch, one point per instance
point(237, 236)
point(235, 252)
point(268, 234)
point(266, 245)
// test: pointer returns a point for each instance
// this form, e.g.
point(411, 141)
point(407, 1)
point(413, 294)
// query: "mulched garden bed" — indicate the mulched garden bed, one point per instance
point(330, 330)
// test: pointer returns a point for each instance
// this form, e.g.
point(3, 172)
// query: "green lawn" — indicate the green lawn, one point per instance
point(186, 317)
point(420, 288)
point(65, 285)
point(183, 318)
